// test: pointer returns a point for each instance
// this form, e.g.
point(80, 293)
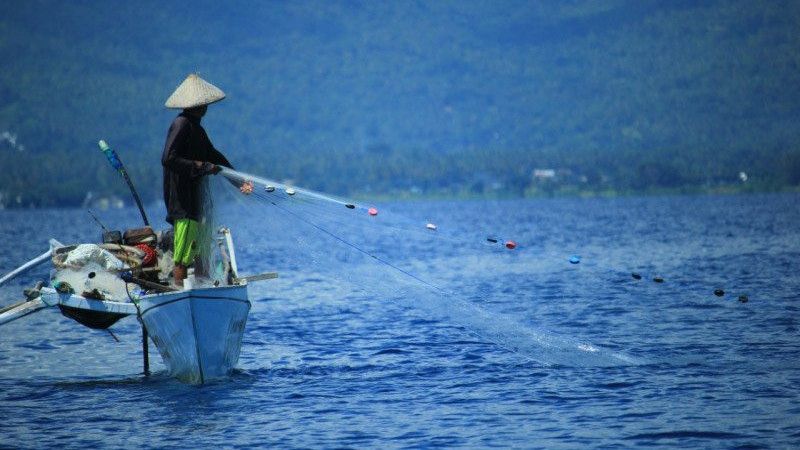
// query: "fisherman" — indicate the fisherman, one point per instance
point(188, 157)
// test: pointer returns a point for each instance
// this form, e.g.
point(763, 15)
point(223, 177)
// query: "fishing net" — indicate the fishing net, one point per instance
point(209, 264)
point(403, 256)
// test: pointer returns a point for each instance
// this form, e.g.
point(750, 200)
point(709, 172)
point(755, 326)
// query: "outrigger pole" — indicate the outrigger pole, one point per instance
point(113, 158)
point(116, 163)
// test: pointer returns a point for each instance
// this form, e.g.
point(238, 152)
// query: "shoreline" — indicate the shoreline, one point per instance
point(576, 193)
point(564, 193)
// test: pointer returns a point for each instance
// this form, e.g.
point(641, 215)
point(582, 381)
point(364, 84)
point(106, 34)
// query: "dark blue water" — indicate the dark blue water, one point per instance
point(325, 364)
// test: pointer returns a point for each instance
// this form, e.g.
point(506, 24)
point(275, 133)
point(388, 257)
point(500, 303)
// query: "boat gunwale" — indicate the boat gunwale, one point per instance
point(189, 297)
point(52, 297)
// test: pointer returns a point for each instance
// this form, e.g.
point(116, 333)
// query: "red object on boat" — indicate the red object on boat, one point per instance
point(511, 245)
point(149, 255)
point(372, 211)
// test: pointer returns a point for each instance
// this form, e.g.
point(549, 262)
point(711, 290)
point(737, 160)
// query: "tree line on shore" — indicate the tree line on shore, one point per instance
point(443, 99)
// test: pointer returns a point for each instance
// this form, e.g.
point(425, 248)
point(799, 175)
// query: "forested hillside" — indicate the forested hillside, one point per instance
point(428, 97)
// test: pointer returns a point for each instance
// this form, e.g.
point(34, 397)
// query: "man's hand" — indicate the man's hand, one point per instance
point(213, 169)
point(246, 188)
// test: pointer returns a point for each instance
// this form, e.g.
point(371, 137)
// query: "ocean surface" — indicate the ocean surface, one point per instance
point(392, 335)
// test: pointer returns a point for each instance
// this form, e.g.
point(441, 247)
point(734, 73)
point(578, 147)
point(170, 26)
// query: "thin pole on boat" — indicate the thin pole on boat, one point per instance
point(113, 158)
point(145, 352)
point(145, 348)
point(116, 163)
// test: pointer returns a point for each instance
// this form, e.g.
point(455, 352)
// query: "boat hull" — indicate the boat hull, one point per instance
point(198, 332)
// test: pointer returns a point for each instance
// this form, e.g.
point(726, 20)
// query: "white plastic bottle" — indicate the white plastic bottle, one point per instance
point(189, 282)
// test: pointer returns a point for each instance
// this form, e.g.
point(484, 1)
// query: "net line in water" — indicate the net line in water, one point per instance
point(368, 248)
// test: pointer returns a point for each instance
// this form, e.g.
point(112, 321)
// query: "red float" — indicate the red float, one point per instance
point(372, 211)
point(511, 245)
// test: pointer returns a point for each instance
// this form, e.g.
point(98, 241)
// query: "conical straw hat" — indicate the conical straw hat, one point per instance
point(194, 91)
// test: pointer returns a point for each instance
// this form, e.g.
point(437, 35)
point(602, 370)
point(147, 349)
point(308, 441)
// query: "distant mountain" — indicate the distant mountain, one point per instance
point(424, 97)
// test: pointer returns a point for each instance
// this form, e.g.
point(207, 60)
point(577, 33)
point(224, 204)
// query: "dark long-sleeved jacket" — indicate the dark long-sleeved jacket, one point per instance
point(186, 143)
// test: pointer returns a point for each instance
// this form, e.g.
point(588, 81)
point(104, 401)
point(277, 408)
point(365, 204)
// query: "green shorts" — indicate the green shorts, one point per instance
point(185, 243)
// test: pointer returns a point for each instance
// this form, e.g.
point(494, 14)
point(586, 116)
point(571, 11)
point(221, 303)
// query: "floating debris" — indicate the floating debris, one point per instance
point(636, 276)
point(719, 292)
point(658, 279)
point(492, 240)
point(574, 259)
point(269, 188)
point(350, 206)
point(743, 298)
point(290, 191)
point(431, 226)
